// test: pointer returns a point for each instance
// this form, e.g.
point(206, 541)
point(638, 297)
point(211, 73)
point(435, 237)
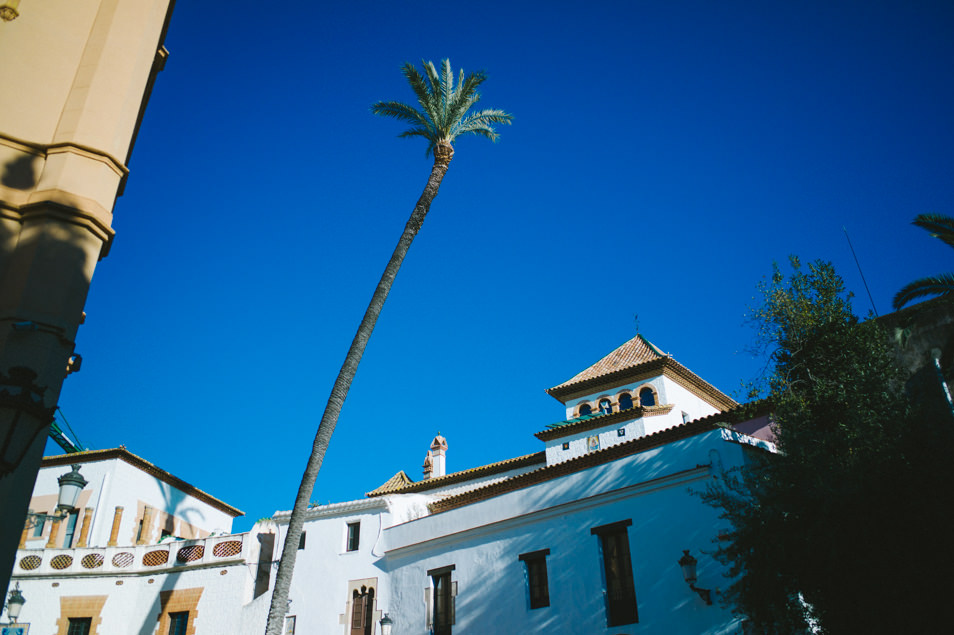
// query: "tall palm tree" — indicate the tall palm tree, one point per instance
point(443, 116)
point(942, 284)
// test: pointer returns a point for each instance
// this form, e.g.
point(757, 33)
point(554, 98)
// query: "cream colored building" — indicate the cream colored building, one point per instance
point(76, 76)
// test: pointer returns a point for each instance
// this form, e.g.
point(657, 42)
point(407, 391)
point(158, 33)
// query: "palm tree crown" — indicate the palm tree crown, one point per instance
point(444, 106)
point(942, 284)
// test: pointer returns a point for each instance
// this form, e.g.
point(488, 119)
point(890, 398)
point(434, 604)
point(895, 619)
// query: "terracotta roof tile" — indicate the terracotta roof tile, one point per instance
point(636, 351)
point(396, 482)
point(457, 477)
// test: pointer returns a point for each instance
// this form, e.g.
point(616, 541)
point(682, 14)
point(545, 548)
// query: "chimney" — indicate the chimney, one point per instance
point(428, 465)
point(437, 453)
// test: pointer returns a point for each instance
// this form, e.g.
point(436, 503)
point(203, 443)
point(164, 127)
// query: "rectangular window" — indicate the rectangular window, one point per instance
point(354, 536)
point(38, 529)
point(178, 623)
point(618, 573)
point(442, 618)
point(263, 575)
point(289, 625)
point(301, 540)
point(79, 626)
point(70, 530)
point(537, 583)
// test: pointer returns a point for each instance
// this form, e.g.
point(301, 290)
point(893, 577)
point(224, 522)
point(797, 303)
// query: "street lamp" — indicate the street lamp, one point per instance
point(19, 394)
point(14, 603)
point(688, 564)
point(385, 624)
point(71, 484)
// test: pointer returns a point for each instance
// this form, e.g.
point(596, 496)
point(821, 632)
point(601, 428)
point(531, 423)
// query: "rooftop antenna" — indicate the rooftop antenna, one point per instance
point(873, 308)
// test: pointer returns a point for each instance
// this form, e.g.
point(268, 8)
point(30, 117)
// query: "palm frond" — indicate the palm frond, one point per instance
point(444, 105)
point(399, 111)
point(939, 225)
point(942, 284)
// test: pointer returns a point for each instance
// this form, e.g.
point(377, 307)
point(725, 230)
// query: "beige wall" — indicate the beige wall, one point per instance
point(75, 77)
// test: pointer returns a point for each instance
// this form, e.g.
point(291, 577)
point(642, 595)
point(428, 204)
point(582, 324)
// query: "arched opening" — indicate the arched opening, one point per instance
point(625, 401)
point(362, 611)
point(647, 397)
point(606, 406)
point(585, 409)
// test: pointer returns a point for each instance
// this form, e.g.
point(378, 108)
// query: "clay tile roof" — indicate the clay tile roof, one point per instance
point(636, 351)
point(458, 477)
point(396, 482)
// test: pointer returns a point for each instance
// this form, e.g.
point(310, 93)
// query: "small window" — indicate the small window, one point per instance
point(354, 536)
point(685, 417)
point(621, 432)
point(647, 397)
point(442, 615)
point(606, 406)
point(289, 625)
point(70, 530)
point(566, 445)
point(618, 573)
point(301, 540)
point(537, 583)
point(178, 623)
point(79, 626)
point(585, 409)
point(38, 530)
point(625, 401)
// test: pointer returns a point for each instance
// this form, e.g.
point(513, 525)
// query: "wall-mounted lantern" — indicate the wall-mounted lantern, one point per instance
point(688, 564)
point(385, 624)
point(14, 603)
point(71, 484)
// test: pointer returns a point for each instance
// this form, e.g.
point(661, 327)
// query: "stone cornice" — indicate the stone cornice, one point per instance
point(600, 421)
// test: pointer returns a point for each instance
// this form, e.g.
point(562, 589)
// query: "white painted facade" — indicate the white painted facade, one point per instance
point(384, 551)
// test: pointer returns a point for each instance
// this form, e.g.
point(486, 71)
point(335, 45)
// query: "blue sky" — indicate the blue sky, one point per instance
point(662, 156)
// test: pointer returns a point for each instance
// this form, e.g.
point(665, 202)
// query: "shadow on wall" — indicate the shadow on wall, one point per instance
point(20, 173)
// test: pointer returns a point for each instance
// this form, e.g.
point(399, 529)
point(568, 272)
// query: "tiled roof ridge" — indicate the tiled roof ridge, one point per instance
point(463, 475)
point(631, 353)
point(577, 464)
point(95, 456)
point(401, 479)
point(710, 393)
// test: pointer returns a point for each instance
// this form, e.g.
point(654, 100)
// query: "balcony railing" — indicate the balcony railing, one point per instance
point(172, 556)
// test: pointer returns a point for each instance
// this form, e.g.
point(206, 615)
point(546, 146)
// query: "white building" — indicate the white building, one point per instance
point(584, 536)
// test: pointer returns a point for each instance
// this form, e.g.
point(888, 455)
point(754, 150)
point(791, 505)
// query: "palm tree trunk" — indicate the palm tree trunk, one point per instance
point(286, 566)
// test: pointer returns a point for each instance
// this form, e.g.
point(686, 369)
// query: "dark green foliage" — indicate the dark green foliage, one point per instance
point(846, 528)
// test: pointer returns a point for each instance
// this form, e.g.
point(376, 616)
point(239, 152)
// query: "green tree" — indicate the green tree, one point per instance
point(940, 227)
point(443, 116)
point(844, 530)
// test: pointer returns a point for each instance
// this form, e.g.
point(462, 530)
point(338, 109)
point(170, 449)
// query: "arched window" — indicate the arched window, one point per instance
point(647, 397)
point(606, 406)
point(625, 401)
point(362, 611)
point(585, 409)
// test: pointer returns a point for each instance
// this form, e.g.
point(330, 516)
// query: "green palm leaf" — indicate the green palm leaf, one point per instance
point(444, 105)
point(939, 225)
point(942, 284)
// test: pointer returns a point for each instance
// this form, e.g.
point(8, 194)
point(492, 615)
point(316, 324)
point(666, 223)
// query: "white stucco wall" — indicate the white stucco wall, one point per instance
point(113, 483)
point(483, 540)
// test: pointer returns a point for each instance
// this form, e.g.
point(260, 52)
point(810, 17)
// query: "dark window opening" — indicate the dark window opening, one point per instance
point(605, 406)
point(646, 397)
point(301, 540)
point(625, 401)
point(443, 606)
point(79, 626)
point(263, 574)
point(618, 573)
point(585, 409)
point(537, 583)
point(354, 536)
point(178, 623)
point(362, 611)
